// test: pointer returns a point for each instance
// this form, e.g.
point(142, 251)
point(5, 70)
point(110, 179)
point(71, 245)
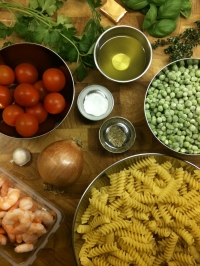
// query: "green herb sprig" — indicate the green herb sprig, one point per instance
point(180, 46)
point(35, 23)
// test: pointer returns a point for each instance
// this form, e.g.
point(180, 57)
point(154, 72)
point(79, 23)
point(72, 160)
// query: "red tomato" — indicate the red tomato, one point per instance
point(10, 114)
point(26, 125)
point(5, 97)
point(54, 79)
point(54, 103)
point(7, 75)
point(66, 110)
point(26, 95)
point(39, 85)
point(38, 111)
point(26, 73)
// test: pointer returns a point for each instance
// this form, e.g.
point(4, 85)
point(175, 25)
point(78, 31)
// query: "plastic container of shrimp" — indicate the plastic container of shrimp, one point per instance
point(8, 251)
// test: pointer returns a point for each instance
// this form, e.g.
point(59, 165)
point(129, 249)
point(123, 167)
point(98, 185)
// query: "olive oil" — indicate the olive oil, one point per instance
point(122, 58)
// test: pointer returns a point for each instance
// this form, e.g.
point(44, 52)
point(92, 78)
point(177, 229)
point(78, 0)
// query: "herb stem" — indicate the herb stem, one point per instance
point(27, 11)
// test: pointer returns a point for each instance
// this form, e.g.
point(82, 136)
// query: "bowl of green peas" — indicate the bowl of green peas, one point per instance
point(172, 106)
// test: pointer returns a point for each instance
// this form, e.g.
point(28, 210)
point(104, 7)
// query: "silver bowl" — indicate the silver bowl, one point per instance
point(117, 134)
point(42, 58)
point(178, 115)
point(130, 60)
point(103, 180)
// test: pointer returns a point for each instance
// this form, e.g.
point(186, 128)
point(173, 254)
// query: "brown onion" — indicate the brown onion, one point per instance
point(61, 163)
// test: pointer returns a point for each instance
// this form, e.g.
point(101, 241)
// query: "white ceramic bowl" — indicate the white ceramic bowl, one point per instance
point(95, 102)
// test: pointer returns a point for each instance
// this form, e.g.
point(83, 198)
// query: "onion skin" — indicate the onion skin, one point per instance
point(61, 163)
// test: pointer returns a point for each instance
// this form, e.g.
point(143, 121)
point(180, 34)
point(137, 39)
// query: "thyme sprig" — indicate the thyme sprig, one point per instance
point(180, 46)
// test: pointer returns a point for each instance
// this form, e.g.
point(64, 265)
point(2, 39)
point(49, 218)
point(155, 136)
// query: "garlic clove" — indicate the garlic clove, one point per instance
point(21, 156)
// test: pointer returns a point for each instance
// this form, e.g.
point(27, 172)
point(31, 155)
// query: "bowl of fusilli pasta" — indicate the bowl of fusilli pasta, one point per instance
point(141, 210)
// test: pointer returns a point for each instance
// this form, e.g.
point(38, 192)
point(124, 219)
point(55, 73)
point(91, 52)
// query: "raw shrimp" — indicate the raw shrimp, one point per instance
point(26, 203)
point(10, 199)
point(2, 231)
point(24, 248)
point(8, 229)
point(19, 238)
point(45, 217)
point(6, 185)
point(2, 180)
point(2, 213)
point(34, 232)
point(19, 219)
point(3, 240)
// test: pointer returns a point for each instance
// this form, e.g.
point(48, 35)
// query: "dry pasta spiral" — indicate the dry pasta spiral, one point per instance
point(148, 215)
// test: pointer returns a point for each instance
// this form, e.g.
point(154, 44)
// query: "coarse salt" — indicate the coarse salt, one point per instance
point(95, 104)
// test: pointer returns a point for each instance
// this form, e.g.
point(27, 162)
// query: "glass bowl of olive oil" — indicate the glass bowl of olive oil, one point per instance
point(122, 53)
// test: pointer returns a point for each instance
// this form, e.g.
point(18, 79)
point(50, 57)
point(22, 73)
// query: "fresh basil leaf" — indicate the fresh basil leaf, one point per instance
point(157, 2)
point(144, 10)
point(150, 17)
point(170, 9)
point(135, 4)
point(186, 8)
point(162, 28)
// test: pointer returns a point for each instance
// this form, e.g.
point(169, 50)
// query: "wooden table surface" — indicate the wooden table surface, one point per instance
point(129, 103)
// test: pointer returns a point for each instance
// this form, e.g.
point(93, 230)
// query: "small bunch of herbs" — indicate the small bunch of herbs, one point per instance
point(180, 46)
point(36, 23)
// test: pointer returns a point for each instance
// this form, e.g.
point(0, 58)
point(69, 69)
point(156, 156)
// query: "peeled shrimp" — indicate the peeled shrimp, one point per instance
point(3, 240)
point(2, 231)
point(34, 232)
point(6, 185)
point(2, 214)
point(10, 199)
point(18, 219)
point(2, 180)
point(24, 248)
point(25, 203)
point(18, 238)
point(44, 217)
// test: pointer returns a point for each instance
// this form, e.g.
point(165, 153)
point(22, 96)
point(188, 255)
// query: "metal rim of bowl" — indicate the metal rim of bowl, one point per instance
point(184, 59)
point(123, 81)
point(121, 166)
point(72, 80)
point(125, 123)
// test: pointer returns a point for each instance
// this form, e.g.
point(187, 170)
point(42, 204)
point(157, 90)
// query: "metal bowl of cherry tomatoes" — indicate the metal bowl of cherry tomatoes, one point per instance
point(36, 90)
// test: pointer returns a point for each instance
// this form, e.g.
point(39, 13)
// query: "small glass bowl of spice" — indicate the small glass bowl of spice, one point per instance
point(117, 134)
point(95, 102)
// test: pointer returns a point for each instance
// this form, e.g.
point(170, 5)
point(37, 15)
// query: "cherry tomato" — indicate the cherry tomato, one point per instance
point(7, 75)
point(10, 114)
point(26, 125)
point(38, 111)
point(26, 95)
point(39, 85)
point(54, 79)
point(5, 97)
point(54, 103)
point(66, 110)
point(26, 73)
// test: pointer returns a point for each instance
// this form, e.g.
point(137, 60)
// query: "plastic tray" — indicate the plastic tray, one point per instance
point(27, 258)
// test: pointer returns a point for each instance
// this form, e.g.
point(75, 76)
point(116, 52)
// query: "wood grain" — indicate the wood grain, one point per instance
point(129, 103)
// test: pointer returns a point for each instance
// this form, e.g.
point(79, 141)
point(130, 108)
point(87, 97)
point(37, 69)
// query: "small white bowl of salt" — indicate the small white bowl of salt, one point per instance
point(95, 102)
